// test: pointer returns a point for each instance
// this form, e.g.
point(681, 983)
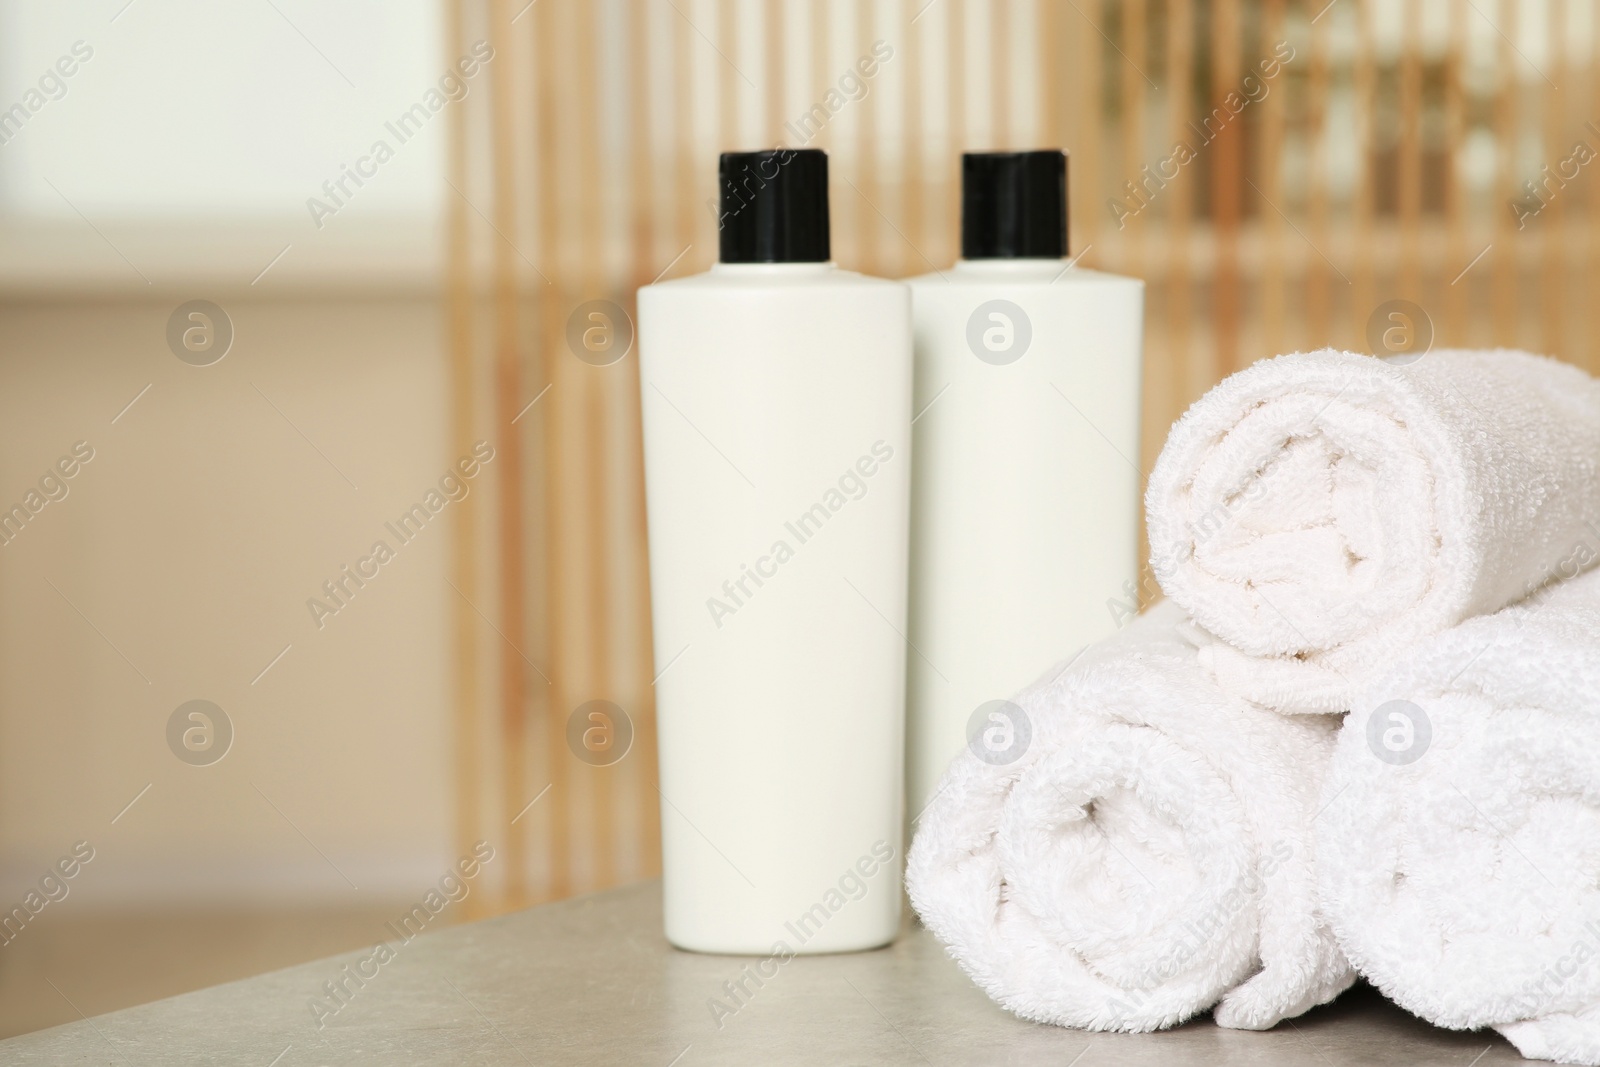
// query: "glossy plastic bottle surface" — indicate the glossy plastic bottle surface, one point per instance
point(1025, 497)
point(777, 406)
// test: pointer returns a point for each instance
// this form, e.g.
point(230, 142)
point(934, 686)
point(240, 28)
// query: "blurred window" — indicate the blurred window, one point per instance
point(198, 110)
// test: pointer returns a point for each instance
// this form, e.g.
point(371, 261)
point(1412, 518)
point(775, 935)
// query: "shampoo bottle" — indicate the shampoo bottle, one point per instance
point(777, 406)
point(1025, 498)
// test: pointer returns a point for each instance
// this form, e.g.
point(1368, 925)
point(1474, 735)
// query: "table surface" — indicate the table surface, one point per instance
point(592, 980)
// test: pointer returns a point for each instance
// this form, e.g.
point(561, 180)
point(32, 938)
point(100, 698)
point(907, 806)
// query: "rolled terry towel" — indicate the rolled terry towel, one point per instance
point(1460, 844)
point(1318, 512)
point(1139, 852)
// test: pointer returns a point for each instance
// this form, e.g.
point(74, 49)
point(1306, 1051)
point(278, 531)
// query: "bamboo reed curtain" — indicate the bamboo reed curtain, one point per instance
point(1279, 172)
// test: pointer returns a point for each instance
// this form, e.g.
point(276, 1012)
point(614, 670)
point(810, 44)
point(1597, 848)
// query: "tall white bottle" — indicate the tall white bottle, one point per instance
point(777, 408)
point(1025, 496)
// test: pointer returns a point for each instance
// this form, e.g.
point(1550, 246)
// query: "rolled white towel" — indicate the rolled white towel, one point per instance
point(1318, 512)
point(1133, 847)
point(1460, 843)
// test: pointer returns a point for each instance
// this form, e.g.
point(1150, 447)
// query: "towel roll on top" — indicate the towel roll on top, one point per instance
point(1318, 512)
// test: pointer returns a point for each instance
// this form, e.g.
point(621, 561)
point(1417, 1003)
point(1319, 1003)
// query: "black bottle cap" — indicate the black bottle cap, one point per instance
point(774, 206)
point(1014, 205)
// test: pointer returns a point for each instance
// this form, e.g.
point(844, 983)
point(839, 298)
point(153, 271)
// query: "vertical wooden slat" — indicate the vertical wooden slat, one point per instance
point(593, 549)
point(1319, 277)
point(508, 388)
point(557, 804)
point(464, 551)
point(642, 204)
point(1456, 328)
point(1503, 260)
point(1000, 104)
point(1132, 91)
point(956, 110)
point(1227, 185)
point(683, 142)
point(1589, 355)
point(772, 38)
point(870, 224)
point(821, 74)
point(1172, 389)
point(1410, 151)
point(1087, 131)
point(913, 166)
point(821, 79)
point(1552, 228)
point(1363, 287)
point(727, 99)
point(1055, 115)
point(1273, 107)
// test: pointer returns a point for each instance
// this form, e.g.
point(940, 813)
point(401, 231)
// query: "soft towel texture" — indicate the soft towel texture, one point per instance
point(1318, 512)
point(1460, 844)
point(1148, 856)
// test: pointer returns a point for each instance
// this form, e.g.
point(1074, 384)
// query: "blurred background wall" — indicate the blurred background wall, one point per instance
point(174, 163)
point(1377, 176)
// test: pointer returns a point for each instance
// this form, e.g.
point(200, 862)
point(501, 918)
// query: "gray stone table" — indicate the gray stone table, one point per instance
point(593, 981)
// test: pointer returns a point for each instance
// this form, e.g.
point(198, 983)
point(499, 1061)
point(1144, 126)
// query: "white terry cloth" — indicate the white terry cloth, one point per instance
point(1465, 883)
point(1318, 512)
point(1148, 856)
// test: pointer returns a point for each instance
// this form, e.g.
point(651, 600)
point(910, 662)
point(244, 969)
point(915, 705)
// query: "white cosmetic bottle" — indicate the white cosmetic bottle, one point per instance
point(777, 408)
point(1025, 496)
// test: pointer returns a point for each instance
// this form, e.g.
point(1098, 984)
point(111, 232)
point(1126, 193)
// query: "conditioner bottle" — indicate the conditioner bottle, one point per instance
point(777, 405)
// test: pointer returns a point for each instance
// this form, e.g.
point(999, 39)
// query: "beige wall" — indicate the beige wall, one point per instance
point(191, 543)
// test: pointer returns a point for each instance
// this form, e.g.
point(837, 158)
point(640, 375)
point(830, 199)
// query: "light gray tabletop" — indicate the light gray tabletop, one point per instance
point(593, 981)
